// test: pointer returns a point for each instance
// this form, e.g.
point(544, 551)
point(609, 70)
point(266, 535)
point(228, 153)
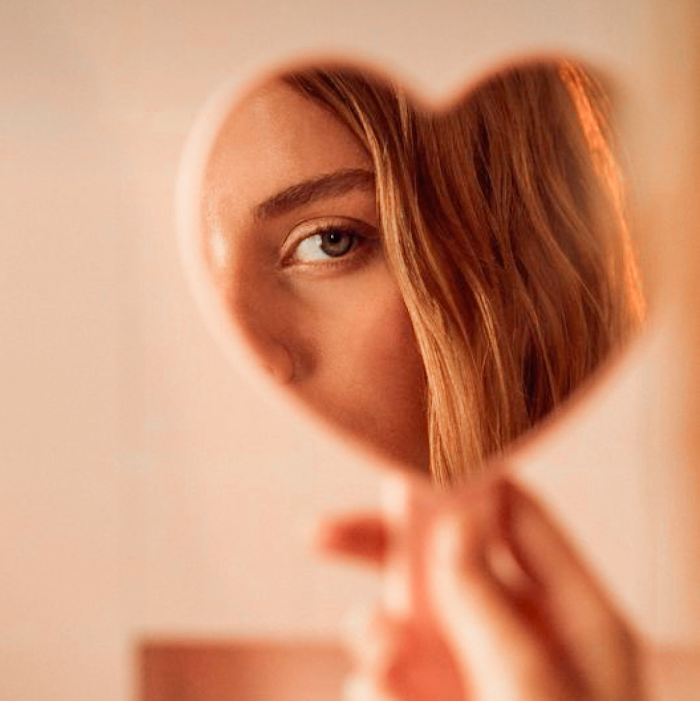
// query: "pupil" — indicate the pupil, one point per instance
point(337, 243)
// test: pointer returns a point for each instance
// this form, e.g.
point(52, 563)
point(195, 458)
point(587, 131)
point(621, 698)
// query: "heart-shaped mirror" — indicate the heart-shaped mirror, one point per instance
point(432, 281)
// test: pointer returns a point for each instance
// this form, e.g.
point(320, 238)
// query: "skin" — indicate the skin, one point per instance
point(513, 614)
point(289, 189)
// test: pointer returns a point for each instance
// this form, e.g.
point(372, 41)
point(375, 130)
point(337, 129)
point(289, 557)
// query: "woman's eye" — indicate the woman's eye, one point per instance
point(330, 244)
point(325, 245)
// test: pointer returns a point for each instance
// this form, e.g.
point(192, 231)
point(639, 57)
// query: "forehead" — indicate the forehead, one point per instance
point(274, 138)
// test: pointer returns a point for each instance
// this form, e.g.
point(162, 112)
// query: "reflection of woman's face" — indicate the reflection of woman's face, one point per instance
point(292, 224)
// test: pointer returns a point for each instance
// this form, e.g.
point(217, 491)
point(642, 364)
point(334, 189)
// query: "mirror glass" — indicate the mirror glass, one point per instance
point(431, 281)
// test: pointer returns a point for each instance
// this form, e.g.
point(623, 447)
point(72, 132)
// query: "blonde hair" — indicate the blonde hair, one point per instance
point(503, 224)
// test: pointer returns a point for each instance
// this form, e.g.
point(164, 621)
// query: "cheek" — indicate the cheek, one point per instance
point(362, 332)
point(385, 344)
point(368, 375)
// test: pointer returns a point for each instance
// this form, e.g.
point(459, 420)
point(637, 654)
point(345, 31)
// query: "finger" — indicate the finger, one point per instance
point(596, 638)
point(401, 660)
point(373, 639)
point(479, 615)
point(551, 560)
point(361, 537)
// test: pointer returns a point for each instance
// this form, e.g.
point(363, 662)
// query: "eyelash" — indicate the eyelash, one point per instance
point(362, 245)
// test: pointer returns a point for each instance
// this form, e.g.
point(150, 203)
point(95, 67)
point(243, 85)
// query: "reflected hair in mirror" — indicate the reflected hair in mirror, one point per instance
point(502, 220)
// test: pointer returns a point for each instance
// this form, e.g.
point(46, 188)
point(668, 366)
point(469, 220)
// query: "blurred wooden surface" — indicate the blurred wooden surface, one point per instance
point(240, 671)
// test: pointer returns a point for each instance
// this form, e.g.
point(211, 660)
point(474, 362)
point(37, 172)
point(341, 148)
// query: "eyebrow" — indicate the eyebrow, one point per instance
point(331, 185)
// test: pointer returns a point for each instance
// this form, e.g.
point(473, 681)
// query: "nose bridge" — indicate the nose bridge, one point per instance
point(259, 309)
